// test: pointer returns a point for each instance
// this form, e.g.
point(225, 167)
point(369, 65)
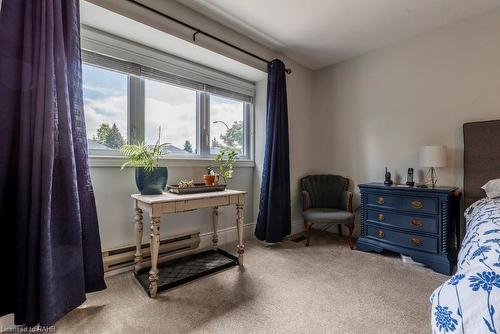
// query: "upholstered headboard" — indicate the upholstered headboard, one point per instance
point(481, 157)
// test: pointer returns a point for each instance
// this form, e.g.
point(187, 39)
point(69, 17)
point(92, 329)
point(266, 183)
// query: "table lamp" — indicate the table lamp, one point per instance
point(432, 157)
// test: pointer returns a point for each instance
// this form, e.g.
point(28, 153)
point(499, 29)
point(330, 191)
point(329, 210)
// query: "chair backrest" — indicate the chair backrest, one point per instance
point(325, 191)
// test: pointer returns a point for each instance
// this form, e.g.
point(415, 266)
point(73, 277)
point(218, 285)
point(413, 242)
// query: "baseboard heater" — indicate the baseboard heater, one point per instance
point(170, 248)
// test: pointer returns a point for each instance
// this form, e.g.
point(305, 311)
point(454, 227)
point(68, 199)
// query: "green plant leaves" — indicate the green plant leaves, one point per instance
point(142, 155)
point(225, 162)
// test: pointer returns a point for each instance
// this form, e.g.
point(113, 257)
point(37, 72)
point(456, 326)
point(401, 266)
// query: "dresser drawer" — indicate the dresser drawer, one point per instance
point(407, 203)
point(422, 243)
point(406, 221)
point(193, 204)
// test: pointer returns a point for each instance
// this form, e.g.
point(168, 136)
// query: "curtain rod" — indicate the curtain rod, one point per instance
point(199, 31)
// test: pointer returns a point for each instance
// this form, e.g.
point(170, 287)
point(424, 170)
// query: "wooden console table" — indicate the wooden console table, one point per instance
point(158, 205)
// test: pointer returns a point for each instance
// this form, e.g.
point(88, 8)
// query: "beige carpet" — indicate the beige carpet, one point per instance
point(287, 288)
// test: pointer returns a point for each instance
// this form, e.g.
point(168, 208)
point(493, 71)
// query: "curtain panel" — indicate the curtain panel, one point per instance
point(50, 238)
point(274, 219)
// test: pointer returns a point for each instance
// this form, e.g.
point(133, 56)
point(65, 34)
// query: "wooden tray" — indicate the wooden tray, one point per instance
point(198, 188)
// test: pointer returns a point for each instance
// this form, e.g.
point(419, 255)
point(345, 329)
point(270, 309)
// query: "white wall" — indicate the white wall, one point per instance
point(376, 110)
point(260, 139)
point(301, 138)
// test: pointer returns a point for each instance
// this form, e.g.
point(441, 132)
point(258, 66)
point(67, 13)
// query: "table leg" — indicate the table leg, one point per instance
point(154, 246)
point(138, 240)
point(239, 224)
point(215, 222)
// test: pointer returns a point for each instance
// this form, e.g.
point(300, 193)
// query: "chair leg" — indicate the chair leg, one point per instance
point(351, 229)
point(308, 226)
point(340, 229)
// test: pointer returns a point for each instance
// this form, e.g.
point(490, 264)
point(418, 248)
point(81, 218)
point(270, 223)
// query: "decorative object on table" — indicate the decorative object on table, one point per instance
point(387, 180)
point(326, 200)
point(150, 178)
point(409, 178)
point(417, 222)
point(209, 178)
point(195, 188)
point(432, 157)
point(185, 184)
point(224, 164)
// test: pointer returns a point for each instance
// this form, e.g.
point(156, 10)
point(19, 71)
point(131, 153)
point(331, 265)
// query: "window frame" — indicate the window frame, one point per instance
point(100, 49)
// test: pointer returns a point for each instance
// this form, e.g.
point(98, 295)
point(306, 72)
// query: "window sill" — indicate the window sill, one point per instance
point(113, 161)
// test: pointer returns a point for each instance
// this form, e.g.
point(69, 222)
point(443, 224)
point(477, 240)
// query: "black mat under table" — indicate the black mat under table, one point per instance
point(186, 269)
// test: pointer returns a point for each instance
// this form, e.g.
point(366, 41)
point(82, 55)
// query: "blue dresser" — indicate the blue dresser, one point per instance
point(417, 222)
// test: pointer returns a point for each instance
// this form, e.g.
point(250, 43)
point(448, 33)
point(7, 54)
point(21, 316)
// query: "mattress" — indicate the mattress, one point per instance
point(469, 302)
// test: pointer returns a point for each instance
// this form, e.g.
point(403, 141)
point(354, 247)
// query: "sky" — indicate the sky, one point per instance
point(170, 107)
point(105, 99)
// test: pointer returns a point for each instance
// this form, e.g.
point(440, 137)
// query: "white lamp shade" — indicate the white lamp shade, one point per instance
point(432, 156)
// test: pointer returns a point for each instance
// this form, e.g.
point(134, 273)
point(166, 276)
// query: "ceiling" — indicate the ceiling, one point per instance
point(115, 24)
point(317, 33)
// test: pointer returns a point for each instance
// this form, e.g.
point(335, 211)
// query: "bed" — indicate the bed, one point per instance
point(469, 302)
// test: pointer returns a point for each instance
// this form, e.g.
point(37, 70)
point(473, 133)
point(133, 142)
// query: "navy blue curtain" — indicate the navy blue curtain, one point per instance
point(274, 220)
point(49, 241)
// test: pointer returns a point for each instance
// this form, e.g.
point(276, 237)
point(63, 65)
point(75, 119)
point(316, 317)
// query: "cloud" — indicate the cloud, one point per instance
point(173, 95)
point(102, 90)
point(106, 110)
point(178, 122)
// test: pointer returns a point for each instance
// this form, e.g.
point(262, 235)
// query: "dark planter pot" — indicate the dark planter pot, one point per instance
point(151, 183)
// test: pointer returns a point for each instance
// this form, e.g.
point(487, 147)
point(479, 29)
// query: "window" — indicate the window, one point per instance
point(125, 105)
point(105, 108)
point(133, 93)
point(227, 128)
point(172, 111)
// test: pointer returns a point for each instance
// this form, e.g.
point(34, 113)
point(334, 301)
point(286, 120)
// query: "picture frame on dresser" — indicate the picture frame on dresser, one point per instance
point(416, 222)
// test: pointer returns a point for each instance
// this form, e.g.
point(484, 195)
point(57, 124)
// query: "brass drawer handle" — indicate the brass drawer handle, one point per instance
point(380, 200)
point(416, 242)
point(417, 205)
point(417, 222)
point(381, 217)
point(381, 234)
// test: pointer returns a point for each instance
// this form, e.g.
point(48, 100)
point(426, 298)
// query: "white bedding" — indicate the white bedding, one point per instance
point(469, 302)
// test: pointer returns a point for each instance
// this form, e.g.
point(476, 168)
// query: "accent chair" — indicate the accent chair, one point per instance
point(326, 200)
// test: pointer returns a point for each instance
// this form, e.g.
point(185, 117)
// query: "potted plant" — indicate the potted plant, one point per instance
point(209, 178)
point(150, 178)
point(224, 163)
